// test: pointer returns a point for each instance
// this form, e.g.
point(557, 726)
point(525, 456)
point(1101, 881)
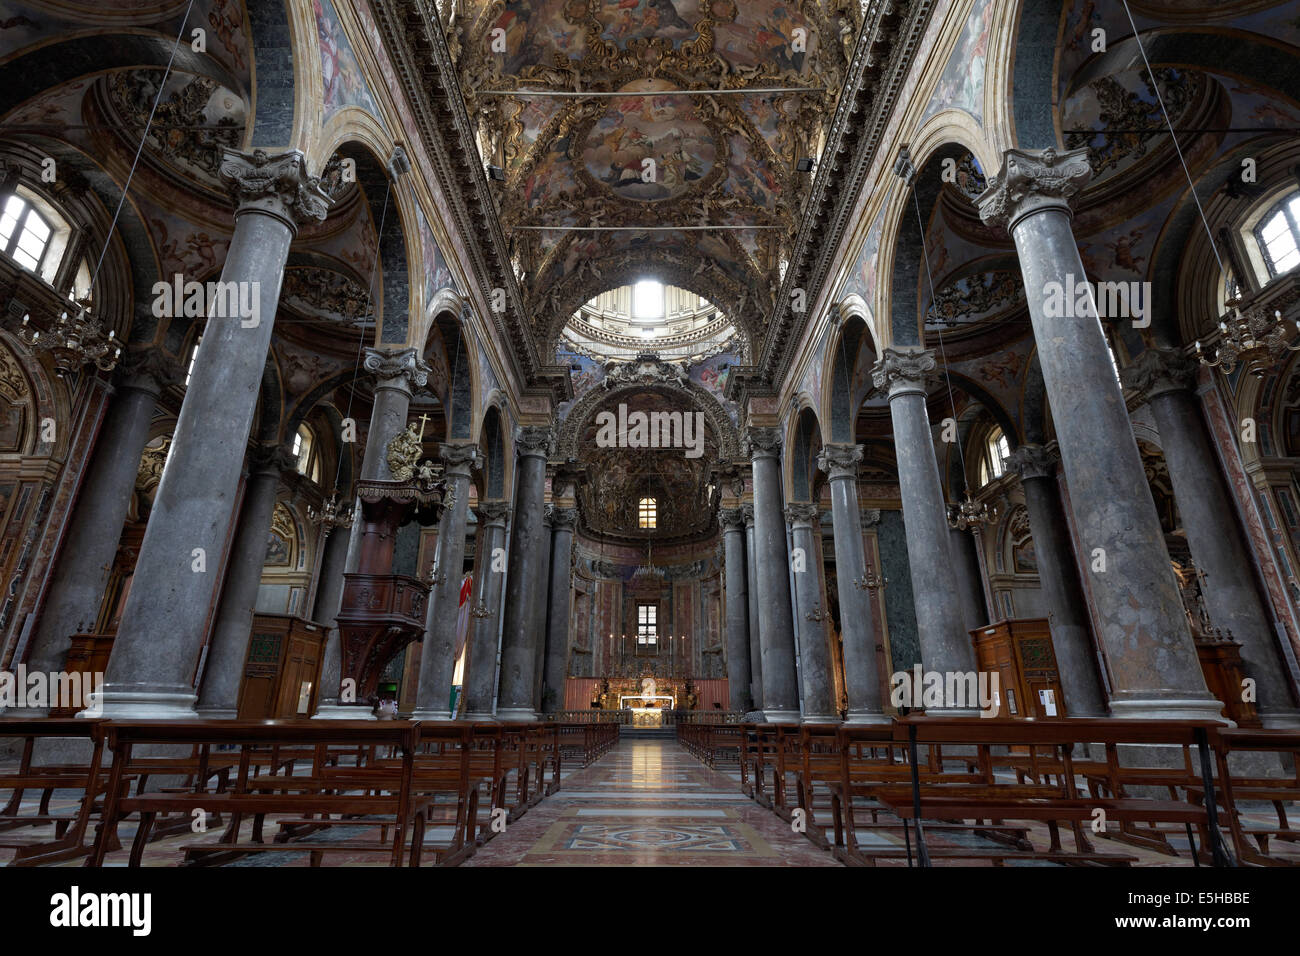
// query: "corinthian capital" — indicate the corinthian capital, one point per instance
point(733, 518)
point(271, 459)
point(1034, 461)
point(747, 513)
point(402, 367)
point(1031, 181)
point(148, 369)
point(762, 442)
point(493, 512)
point(534, 440)
point(275, 184)
point(461, 458)
point(562, 519)
point(1157, 371)
point(840, 461)
point(801, 514)
point(904, 370)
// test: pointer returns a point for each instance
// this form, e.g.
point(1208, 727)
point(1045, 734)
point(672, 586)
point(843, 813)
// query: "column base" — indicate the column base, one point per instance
point(867, 717)
point(782, 716)
point(483, 718)
point(1281, 719)
point(217, 713)
point(516, 715)
point(820, 719)
point(1194, 708)
point(343, 712)
point(430, 715)
point(118, 703)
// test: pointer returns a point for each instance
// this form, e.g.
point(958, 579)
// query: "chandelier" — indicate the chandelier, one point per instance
point(648, 571)
point(74, 342)
point(967, 515)
point(1255, 339)
point(330, 515)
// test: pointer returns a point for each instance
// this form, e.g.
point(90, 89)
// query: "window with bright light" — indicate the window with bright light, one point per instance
point(1279, 236)
point(304, 446)
point(648, 300)
point(993, 461)
point(24, 233)
point(647, 513)
point(647, 623)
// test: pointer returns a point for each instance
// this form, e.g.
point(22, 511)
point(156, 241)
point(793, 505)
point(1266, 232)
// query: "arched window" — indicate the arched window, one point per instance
point(24, 233)
point(304, 446)
point(194, 355)
point(648, 513)
point(993, 456)
point(1278, 234)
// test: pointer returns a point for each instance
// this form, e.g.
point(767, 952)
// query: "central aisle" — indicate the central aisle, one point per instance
point(649, 803)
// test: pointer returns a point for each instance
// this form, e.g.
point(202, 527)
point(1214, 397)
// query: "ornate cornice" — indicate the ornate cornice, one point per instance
point(388, 365)
point(534, 440)
point(1034, 461)
point(274, 184)
point(904, 371)
point(840, 461)
point(417, 48)
point(762, 442)
point(1032, 181)
point(1160, 370)
point(875, 76)
point(801, 515)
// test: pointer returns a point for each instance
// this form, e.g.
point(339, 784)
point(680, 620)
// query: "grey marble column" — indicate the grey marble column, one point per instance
point(814, 647)
point(752, 634)
point(1166, 378)
point(438, 658)
point(776, 625)
point(177, 576)
point(737, 608)
point(542, 590)
point(480, 676)
point(329, 594)
point(1155, 672)
point(970, 583)
point(72, 604)
point(558, 616)
point(397, 373)
point(941, 629)
point(1058, 575)
point(528, 542)
point(857, 629)
point(223, 669)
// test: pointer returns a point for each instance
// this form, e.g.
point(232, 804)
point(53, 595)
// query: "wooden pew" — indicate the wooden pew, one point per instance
point(88, 779)
point(992, 799)
point(1238, 789)
point(330, 787)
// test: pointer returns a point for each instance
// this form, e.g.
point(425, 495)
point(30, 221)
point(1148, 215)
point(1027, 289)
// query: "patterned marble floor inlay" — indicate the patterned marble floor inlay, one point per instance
point(649, 803)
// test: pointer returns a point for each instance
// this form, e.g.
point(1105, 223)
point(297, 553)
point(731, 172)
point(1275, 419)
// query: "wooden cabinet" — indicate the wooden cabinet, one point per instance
point(1020, 652)
point(87, 655)
point(282, 669)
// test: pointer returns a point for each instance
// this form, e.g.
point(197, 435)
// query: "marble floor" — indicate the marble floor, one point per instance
point(649, 803)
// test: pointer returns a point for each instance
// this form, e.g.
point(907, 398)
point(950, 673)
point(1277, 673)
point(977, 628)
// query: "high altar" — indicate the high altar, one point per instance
point(646, 697)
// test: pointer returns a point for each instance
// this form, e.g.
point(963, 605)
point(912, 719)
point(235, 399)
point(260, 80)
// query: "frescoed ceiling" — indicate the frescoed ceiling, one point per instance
point(653, 157)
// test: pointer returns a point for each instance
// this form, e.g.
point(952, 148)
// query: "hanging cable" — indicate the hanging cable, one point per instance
point(1174, 136)
point(112, 226)
point(943, 356)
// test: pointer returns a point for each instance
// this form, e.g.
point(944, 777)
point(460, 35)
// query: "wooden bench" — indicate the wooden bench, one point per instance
point(330, 787)
point(85, 781)
point(1239, 789)
point(996, 800)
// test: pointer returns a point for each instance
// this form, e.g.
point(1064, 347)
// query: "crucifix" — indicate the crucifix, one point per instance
point(424, 420)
